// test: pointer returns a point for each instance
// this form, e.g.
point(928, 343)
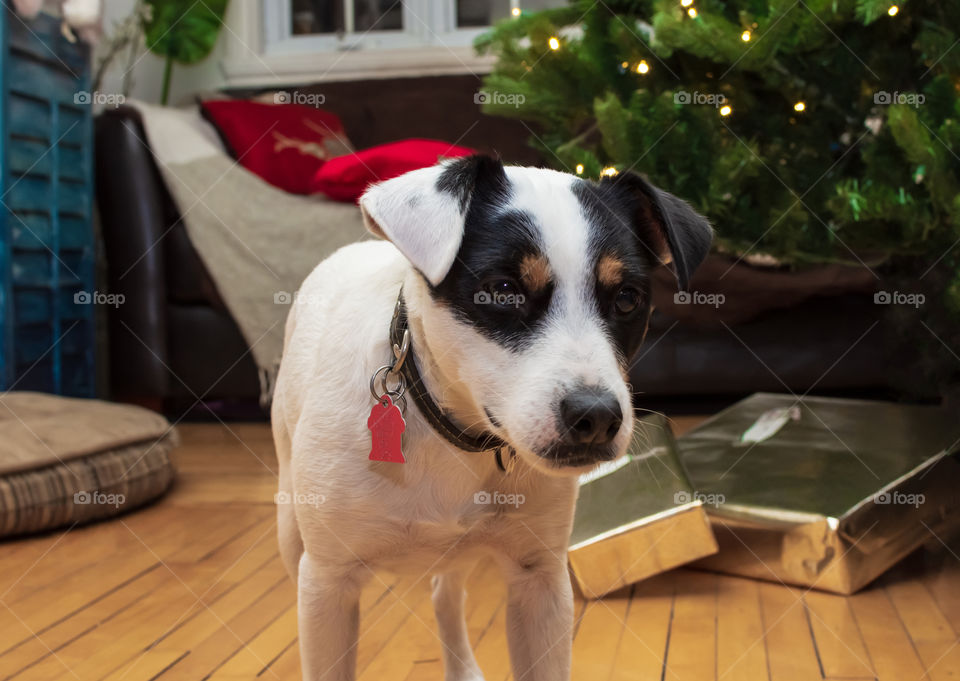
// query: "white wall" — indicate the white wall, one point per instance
point(148, 71)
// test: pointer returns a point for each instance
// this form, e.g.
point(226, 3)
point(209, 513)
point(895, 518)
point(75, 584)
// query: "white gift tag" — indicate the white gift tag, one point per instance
point(769, 424)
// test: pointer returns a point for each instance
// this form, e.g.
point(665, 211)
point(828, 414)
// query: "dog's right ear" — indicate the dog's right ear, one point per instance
point(423, 212)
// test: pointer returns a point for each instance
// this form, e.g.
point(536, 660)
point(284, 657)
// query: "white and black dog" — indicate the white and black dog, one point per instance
point(524, 293)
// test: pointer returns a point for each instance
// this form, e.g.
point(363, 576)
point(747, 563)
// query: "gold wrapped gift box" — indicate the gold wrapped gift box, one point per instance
point(637, 516)
point(834, 497)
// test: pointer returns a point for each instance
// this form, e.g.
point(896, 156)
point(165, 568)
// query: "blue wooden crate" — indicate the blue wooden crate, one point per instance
point(46, 189)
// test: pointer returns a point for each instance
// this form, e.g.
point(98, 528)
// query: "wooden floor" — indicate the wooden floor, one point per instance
point(192, 588)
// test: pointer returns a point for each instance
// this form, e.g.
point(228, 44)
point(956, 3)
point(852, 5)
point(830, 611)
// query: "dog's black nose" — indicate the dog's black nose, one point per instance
point(590, 416)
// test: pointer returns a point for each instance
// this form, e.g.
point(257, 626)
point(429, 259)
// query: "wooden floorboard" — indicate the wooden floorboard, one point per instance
point(192, 588)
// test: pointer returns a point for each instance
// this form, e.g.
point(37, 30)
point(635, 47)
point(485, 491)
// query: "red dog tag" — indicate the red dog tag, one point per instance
point(386, 424)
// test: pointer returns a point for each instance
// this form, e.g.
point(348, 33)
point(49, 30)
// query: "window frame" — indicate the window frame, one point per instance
point(260, 49)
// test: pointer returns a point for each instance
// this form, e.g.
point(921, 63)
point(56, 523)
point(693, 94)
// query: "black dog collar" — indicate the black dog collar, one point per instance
point(437, 418)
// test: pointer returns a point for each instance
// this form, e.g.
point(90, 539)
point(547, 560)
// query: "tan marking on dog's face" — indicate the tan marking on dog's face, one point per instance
point(535, 272)
point(610, 270)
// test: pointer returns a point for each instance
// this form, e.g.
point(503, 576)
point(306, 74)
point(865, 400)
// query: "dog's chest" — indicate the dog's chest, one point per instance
point(431, 540)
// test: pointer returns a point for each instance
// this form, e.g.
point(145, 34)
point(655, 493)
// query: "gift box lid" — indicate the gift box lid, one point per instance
point(829, 459)
point(637, 516)
point(821, 491)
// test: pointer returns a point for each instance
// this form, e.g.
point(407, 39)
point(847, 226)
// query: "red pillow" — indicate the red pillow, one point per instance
point(285, 144)
point(346, 177)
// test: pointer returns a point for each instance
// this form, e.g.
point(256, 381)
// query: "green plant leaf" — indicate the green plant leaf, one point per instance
point(184, 30)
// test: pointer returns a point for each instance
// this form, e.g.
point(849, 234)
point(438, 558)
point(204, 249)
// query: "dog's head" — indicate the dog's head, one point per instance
point(537, 290)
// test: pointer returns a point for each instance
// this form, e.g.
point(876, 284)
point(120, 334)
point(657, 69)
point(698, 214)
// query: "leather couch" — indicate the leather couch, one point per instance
point(173, 343)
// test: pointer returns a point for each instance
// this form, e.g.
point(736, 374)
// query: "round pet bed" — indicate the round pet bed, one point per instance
point(65, 461)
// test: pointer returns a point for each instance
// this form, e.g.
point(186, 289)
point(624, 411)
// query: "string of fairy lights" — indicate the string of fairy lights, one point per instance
point(643, 66)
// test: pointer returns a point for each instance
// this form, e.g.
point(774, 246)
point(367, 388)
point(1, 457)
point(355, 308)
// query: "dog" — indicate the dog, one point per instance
point(526, 292)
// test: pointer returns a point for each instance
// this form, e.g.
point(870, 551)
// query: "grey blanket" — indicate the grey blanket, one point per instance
point(257, 242)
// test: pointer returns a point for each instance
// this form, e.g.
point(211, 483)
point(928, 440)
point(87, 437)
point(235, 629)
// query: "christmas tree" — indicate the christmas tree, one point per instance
point(807, 130)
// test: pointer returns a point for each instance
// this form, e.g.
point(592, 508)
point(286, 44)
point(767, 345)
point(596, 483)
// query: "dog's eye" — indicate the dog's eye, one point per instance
point(504, 287)
point(501, 293)
point(627, 300)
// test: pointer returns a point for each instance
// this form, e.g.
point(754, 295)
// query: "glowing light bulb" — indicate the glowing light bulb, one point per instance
point(686, 3)
point(579, 169)
point(692, 12)
point(554, 43)
point(625, 64)
point(610, 171)
point(643, 67)
point(515, 11)
point(745, 36)
point(799, 106)
point(893, 10)
point(726, 110)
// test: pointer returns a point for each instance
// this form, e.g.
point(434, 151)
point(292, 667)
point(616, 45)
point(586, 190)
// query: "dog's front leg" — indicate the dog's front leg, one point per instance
point(328, 604)
point(540, 619)
point(448, 599)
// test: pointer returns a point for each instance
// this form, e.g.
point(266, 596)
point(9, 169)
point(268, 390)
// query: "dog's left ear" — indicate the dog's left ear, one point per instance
point(423, 212)
point(666, 224)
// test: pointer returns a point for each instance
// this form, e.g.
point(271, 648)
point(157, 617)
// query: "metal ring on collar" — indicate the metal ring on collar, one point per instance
point(387, 370)
point(400, 352)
